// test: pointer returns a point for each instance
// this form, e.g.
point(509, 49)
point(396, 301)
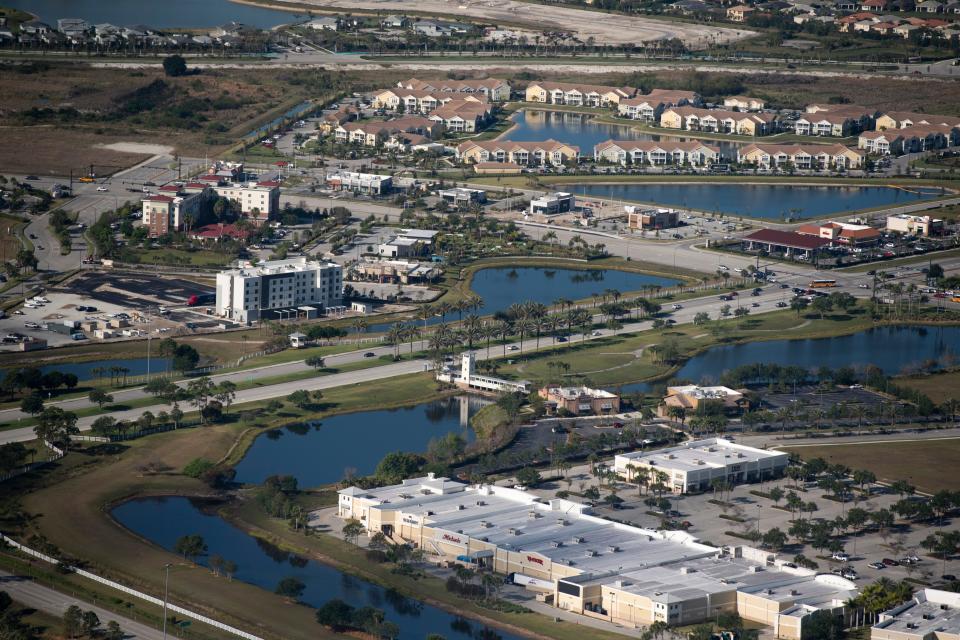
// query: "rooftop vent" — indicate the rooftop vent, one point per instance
point(557, 544)
point(928, 616)
point(485, 538)
point(613, 548)
point(406, 496)
point(944, 607)
point(562, 522)
point(911, 625)
point(579, 540)
point(429, 513)
point(794, 592)
point(591, 553)
point(481, 503)
point(460, 507)
point(484, 524)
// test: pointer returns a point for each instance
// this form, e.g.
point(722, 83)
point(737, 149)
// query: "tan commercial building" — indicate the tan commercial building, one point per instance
point(694, 465)
point(591, 566)
point(690, 398)
point(842, 233)
point(579, 400)
point(651, 218)
point(918, 225)
point(931, 615)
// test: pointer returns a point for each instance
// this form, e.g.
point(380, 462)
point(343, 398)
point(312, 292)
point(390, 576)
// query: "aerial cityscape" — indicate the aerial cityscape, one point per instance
point(480, 319)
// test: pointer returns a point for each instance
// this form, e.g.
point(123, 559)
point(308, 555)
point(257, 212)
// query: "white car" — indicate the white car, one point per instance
point(863, 286)
point(31, 325)
point(723, 267)
point(677, 307)
point(595, 333)
point(841, 556)
point(513, 347)
point(102, 189)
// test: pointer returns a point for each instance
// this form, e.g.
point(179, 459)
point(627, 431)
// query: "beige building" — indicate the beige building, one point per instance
point(579, 400)
point(591, 566)
point(372, 134)
point(931, 615)
point(462, 116)
point(581, 95)
point(744, 103)
point(911, 139)
point(834, 120)
point(648, 152)
point(904, 119)
point(800, 156)
point(918, 225)
point(740, 13)
point(651, 218)
point(693, 466)
point(719, 120)
point(690, 397)
point(648, 107)
point(495, 89)
point(170, 210)
point(394, 271)
point(548, 152)
point(421, 100)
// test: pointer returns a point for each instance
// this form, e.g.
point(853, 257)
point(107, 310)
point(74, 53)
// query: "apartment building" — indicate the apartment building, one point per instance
point(547, 152)
point(421, 100)
point(719, 120)
point(932, 614)
point(904, 119)
point(740, 12)
point(842, 233)
point(373, 134)
point(915, 225)
point(911, 139)
point(591, 566)
point(167, 211)
point(462, 116)
point(693, 466)
point(579, 400)
point(800, 156)
point(648, 152)
point(648, 107)
point(744, 103)
point(580, 95)
point(838, 120)
point(278, 288)
point(495, 89)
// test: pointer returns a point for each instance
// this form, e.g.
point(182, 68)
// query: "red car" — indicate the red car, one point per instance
point(890, 562)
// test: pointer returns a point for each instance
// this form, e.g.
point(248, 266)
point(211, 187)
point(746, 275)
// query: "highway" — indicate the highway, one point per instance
point(710, 304)
point(35, 596)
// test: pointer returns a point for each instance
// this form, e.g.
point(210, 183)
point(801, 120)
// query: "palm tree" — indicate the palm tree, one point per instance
point(395, 335)
point(359, 325)
point(425, 313)
point(524, 326)
point(504, 331)
point(442, 309)
point(472, 329)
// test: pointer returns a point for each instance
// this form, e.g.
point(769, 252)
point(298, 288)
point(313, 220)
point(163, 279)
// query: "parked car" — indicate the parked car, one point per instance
point(890, 562)
point(369, 354)
point(877, 565)
point(849, 574)
point(513, 347)
point(949, 577)
point(102, 189)
point(841, 556)
point(677, 307)
point(31, 325)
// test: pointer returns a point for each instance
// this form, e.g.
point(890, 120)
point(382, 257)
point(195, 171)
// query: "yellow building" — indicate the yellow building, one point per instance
point(591, 566)
point(585, 95)
point(547, 152)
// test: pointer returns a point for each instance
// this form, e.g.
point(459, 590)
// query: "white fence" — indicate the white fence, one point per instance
point(57, 454)
point(133, 592)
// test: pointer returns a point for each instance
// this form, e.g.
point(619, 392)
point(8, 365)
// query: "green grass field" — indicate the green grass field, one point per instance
point(923, 463)
point(939, 387)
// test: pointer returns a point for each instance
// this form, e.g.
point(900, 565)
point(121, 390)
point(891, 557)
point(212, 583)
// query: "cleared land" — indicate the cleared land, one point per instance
point(925, 464)
point(603, 27)
point(939, 387)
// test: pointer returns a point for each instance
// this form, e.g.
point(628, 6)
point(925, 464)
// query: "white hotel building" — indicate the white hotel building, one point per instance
point(295, 286)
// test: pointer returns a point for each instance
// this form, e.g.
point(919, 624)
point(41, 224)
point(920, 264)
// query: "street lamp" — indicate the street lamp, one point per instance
point(166, 582)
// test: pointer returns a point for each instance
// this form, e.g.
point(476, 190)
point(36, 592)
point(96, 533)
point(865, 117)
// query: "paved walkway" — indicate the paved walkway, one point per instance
point(31, 594)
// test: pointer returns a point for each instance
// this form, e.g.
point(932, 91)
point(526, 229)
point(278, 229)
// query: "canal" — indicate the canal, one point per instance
point(164, 520)
point(326, 451)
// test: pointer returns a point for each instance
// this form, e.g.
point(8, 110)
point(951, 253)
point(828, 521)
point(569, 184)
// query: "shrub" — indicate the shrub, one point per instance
point(197, 467)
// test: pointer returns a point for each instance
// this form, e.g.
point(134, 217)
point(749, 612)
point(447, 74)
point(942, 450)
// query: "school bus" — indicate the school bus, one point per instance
point(955, 299)
point(817, 284)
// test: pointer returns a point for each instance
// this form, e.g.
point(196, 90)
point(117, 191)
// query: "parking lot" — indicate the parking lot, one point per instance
point(744, 512)
point(103, 296)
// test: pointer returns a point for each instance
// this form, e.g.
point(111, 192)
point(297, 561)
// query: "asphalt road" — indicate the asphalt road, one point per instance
point(35, 596)
point(709, 303)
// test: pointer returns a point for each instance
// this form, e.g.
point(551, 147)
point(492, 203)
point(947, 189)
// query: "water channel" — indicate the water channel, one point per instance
point(767, 201)
point(890, 348)
point(316, 453)
point(163, 520)
point(170, 13)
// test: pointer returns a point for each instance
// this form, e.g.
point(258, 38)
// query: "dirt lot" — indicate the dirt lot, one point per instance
point(925, 464)
point(603, 27)
point(47, 155)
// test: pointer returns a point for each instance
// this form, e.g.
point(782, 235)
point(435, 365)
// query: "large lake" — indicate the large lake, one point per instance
point(891, 348)
point(323, 452)
point(585, 132)
point(169, 13)
point(163, 520)
point(500, 287)
point(769, 201)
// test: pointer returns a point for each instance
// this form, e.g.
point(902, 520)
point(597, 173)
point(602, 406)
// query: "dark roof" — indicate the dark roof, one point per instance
point(788, 239)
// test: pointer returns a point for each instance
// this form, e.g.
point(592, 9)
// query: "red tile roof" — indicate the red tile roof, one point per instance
point(788, 239)
point(216, 231)
point(153, 198)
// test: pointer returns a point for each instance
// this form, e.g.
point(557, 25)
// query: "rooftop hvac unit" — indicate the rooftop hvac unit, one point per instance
point(591, 553)
point(485, 538)
point(557, 544)
point(481, 503)
point(460, 507)
point(406, 496)
point(512, 531)
point(562, 522)
point(484, 524)
point(928, 616)
point(429, 513)
point(613, 548)
point(579, 540)
point(740, 455)
point(794, 592)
